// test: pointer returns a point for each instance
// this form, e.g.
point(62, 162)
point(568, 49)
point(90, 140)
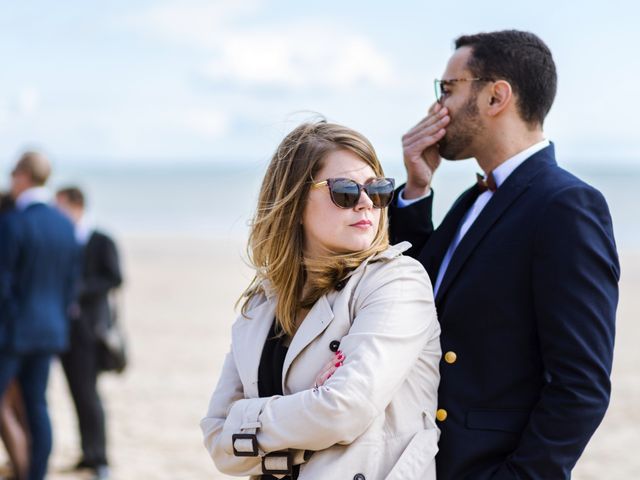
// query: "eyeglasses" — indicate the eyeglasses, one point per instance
point(440, 86)
point(345, 193)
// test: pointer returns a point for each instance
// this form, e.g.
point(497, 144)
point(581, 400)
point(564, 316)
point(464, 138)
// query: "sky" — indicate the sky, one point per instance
point(176, 81)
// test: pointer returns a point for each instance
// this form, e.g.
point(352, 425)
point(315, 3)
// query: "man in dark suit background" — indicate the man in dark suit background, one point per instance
point(524, 268)
point(100, 275)
point(38, 264)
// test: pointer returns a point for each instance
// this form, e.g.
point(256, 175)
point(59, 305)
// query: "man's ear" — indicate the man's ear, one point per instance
point(500, 96)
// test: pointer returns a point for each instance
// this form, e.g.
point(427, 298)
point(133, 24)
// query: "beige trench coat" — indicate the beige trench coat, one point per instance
point(374, 418)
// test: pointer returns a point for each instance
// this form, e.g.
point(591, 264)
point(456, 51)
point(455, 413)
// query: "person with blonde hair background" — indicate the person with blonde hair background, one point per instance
point(333, 368)
point(38, 270)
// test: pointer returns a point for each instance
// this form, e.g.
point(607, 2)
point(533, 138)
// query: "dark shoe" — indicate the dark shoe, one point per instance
point(82, 465)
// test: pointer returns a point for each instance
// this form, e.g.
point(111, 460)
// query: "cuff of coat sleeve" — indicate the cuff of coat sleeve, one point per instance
point(243, 417)
point(403, 202)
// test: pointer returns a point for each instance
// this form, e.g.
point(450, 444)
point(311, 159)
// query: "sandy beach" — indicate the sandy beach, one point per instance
point(178, 308)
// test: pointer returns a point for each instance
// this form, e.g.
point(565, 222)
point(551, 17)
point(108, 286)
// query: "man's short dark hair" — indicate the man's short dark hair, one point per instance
point(73, 195)
point(523, 60)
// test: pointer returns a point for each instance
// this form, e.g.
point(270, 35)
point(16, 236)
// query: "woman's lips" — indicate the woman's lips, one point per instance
point(364, 224)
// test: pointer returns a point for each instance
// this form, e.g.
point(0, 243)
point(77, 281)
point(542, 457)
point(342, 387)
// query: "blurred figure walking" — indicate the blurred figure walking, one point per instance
point(92, 312)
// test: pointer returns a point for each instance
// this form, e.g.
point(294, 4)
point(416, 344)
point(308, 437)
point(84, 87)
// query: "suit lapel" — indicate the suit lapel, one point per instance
point(435, 249)
point(316, 321)
point(509, 191)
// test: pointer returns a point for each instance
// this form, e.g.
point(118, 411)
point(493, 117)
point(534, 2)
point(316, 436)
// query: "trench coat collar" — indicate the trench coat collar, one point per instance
point(249, 344)
point(321, 314)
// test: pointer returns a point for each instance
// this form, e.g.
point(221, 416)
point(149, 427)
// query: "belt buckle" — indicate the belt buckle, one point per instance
point(245, 436)
point(272, 463)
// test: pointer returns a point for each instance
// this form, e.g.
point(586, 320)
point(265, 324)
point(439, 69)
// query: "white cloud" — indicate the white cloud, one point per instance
point(299, 57)
point(196, 24)
point(302, 54)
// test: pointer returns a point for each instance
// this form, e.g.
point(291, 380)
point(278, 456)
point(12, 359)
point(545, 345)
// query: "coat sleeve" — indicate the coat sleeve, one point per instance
point(575, 283)
point(412, 223)
point(109, 276)
point(395, 321)
point(228, 391)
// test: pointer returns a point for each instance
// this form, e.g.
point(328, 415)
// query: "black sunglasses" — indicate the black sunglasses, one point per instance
point(345, 193)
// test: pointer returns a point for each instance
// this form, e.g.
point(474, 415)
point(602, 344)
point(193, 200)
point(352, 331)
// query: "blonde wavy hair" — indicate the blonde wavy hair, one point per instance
point(275, 246)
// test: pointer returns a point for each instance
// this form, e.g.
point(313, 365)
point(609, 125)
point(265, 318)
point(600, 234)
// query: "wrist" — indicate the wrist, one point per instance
point(412, 191)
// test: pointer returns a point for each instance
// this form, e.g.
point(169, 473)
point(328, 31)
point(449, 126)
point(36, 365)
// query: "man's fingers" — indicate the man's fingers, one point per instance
point(432, 117)
point(429, 127)
point(441, 118)
point(432, 130)
point(420, 143)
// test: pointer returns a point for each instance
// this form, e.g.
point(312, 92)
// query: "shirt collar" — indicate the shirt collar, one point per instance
point(31, 196)
point(502, 171)
point(83, 230)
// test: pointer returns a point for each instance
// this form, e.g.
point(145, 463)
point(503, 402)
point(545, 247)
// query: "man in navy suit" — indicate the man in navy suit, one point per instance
point(38, 264)
point(524, 269)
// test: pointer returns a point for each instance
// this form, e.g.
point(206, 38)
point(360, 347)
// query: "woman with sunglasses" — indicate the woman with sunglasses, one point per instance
point(333, 368)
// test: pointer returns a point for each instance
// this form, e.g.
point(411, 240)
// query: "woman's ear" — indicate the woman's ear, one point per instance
point(499, 97)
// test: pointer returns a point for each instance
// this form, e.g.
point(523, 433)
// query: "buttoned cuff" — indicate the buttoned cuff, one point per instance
point(403, 202)
point(243, 419)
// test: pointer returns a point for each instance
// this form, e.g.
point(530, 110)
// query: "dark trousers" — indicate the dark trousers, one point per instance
point(32, 373)
point(81, 370)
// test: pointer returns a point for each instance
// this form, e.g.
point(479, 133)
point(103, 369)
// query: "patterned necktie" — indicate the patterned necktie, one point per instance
point(486, 183)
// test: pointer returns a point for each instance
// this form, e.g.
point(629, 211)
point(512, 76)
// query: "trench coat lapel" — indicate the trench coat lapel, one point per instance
point(250, 336)
point(316, 321)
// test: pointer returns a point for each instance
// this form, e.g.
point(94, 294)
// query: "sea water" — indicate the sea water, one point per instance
point(199, 198)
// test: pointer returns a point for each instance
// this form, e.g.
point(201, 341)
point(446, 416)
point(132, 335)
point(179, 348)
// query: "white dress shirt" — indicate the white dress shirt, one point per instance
point(31, 196)
point(500, 174)
point(83, 230)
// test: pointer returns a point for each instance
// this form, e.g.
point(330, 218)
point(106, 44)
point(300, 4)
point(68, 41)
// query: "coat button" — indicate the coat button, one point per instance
point(441, 414)
point(334, 346)
point(359, 476)
point(450, 357)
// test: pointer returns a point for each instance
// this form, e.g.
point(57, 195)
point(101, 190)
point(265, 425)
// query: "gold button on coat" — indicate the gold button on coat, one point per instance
point(450, 357)
point(441, 414)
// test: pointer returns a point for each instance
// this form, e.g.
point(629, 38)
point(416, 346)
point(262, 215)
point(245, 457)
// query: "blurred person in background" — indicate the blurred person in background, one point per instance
point(100, 275)
point(38, 268)
point(14, 428)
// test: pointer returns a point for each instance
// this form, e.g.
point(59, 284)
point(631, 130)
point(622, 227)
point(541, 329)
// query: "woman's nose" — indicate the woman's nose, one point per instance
point(364, 202)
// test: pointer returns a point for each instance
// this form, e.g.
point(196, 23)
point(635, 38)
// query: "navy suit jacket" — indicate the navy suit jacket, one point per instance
point(39, 262)
point(528, 306)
